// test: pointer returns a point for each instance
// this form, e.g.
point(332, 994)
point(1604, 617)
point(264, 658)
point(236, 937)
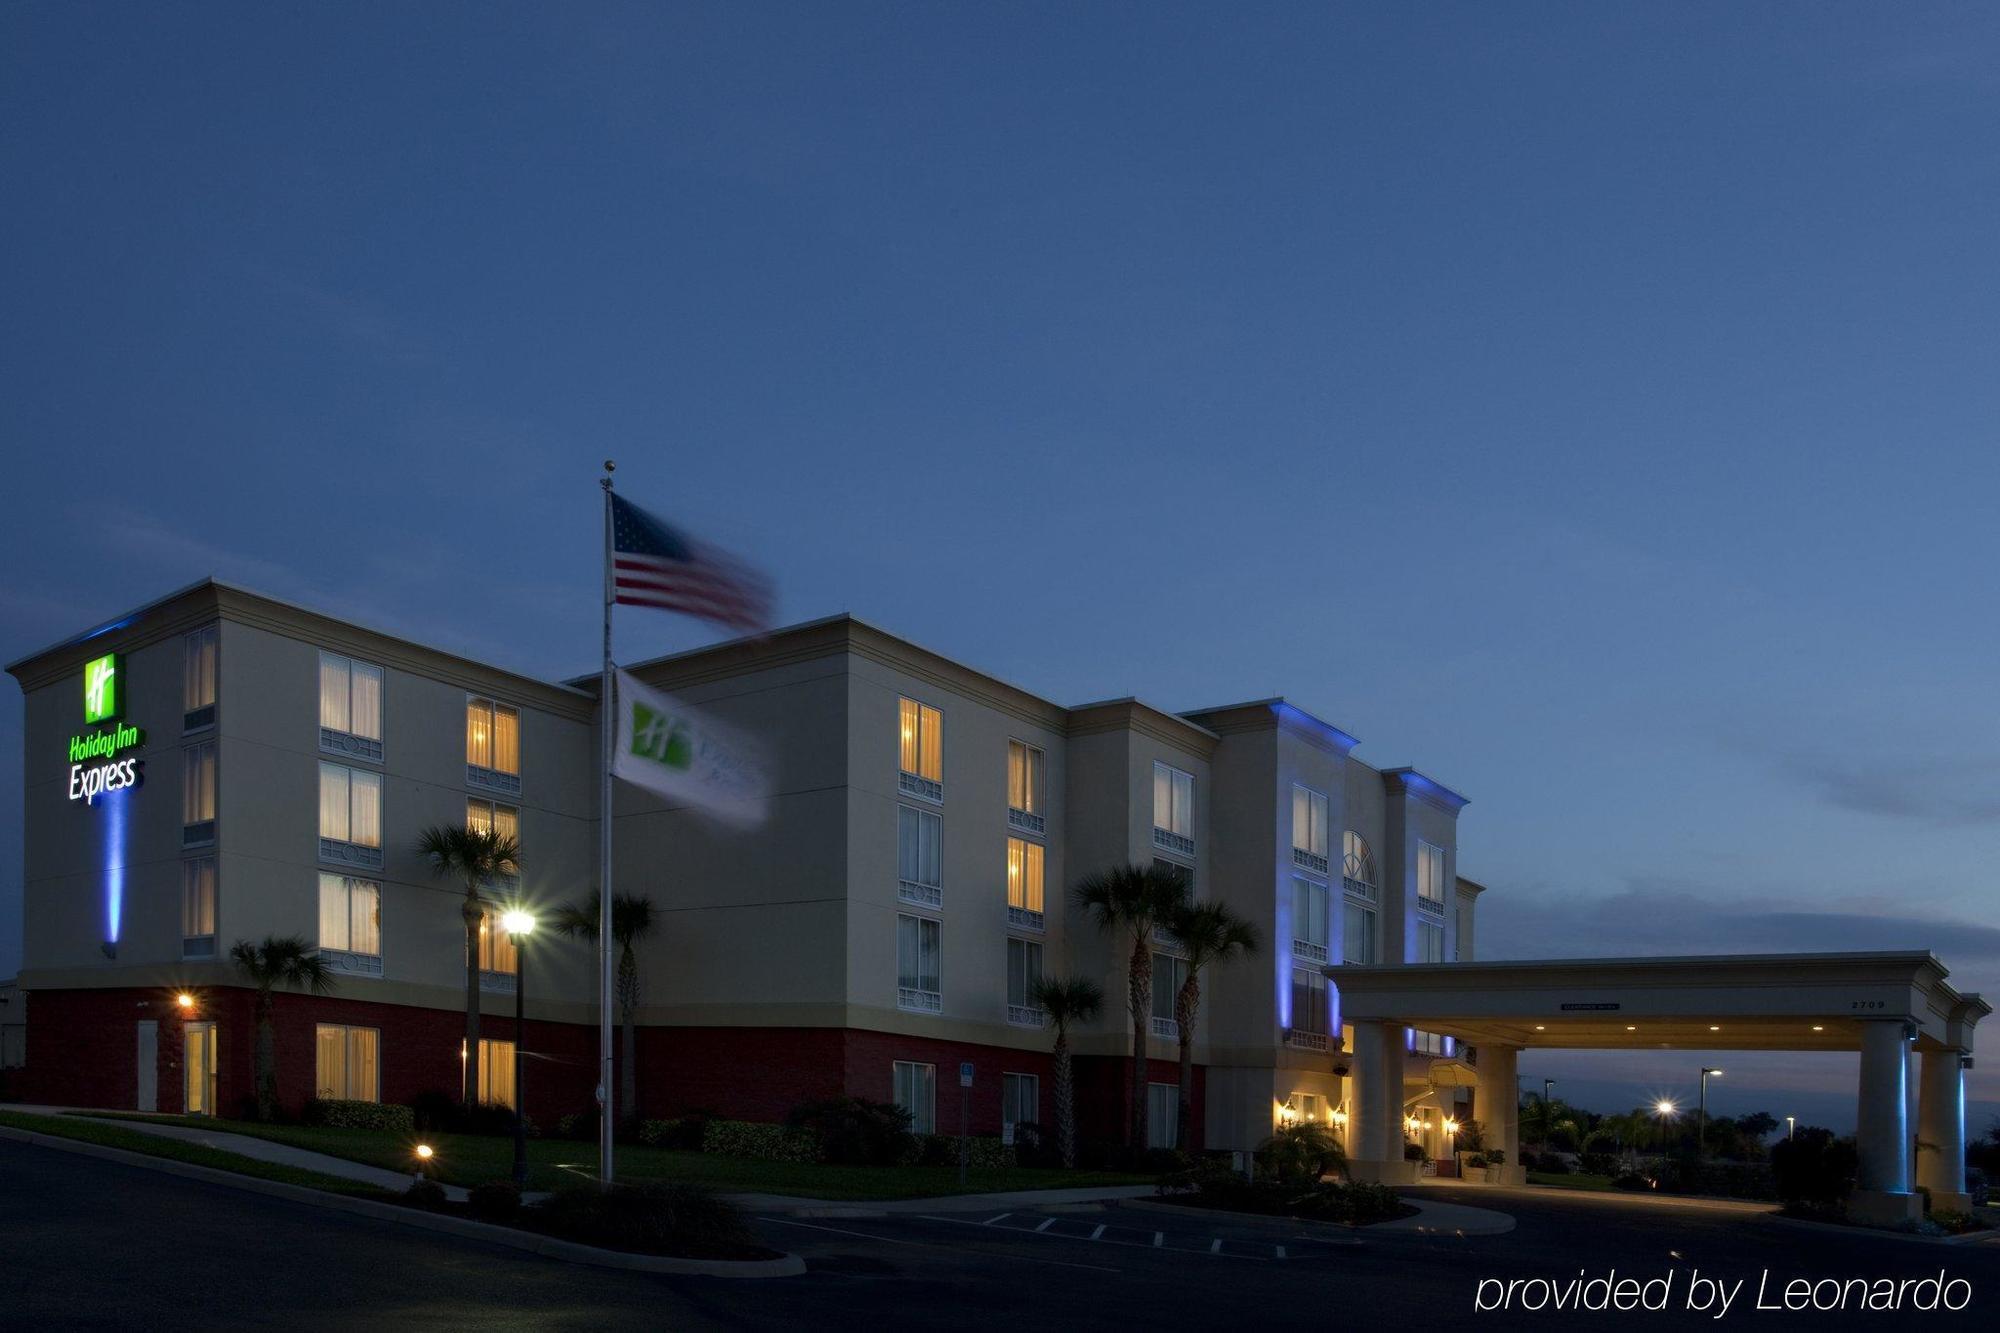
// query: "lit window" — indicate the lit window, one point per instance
point(1358, 864)
point(350, 698)
point(917, 964)
point(350, 915)
point(921, 749)
point(1024, 780)
point(198, 678)
point(493, 737)
point(1430, 876)
point(1020, 1103)
point(1024, 881)
point(1173, 801)
point(916, 1092)
point(496, 947)
point(1309, 823)
point(349, 1063)
point(350, 806)
point(490, 817)
point(1308, 1108)
point(496, 1073)
point(198, 908)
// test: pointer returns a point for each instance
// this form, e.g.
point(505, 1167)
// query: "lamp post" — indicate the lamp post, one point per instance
point(1701, 1135)
point(519, 925)
point(1791, 1126)
point(1547, 1119)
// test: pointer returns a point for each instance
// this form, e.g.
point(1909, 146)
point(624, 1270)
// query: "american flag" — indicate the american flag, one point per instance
point(654, 564)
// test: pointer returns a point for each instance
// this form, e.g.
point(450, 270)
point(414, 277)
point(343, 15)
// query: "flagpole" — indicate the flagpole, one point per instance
point(605, 1076)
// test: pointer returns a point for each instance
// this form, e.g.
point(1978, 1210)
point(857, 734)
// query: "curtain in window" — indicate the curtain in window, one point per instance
point(1359, 863)
point(1357, 934)
point(333, 692)
point(364, 1082)
point(365, 712)
point(496, 1073)
point(916, 1092)
point(198, 903)
point(1020, 1100)
point(919, 836)
point(1024, 778)
point(507, 822)
point(1163, 1114)
point(496, 946)
point(333, 802)
point(932, 756)
point(364, 916)
point(1163, 796)
point(1308, 1000)
point(1024, 969)
point(1301, 819)
point(365, 811)
point(1033, 884)
point(1430, 942)
point(1309, 919)
point(198, 678)
point(334, 928)
point(1430, 872)
point(506, 740)
point(479, 733)
point(330, 1044)
point(906, 754)
point(1169, 972)
point(1017, 873)
point(479, 816)
point(916, 953)
point(198, 789)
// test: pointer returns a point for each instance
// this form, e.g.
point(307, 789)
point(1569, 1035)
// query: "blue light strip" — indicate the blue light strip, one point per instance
point(114, 806)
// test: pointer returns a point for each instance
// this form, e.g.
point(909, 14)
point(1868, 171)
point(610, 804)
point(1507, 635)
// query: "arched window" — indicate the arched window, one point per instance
point(1358, 863)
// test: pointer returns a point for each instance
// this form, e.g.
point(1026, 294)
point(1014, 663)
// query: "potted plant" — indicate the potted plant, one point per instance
point(1495, 1164)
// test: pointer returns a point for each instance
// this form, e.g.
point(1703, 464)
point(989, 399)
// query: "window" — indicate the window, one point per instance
point(501, 820)
point(1428, 1043)
point(1309, 920)
point(1308, 829)
point(350, 815)
point(1182, 874)
point(1430, 877)
point(919, 856)
point(198, 908)
point(1169, 972)
point(1430, 942)
point(1020, 1103)
point(496, 1073)
point(349, 1063)
point(1309, 1003)
point(1024, 969)
point(1357, 935)
point(1173, 809)
point(1308, 1108)
point(198, 679)
point(1163, 1115)
point(492, 746)
point(917, 964)
point(916, 1092)
point(922, 749)
point(1024, 787)
point(350, 923)
point(1357, 867)
point(1024, 883)
point(198, 794)
point(496, 947)
point(350, 707)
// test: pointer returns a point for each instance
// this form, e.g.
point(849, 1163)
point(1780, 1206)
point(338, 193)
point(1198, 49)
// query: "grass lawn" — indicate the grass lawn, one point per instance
point(474, 1159)
point(153, 1145)
point(1572, 1180)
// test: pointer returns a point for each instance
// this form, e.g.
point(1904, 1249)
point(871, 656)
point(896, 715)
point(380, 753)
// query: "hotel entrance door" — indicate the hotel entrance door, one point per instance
point(200, 1065)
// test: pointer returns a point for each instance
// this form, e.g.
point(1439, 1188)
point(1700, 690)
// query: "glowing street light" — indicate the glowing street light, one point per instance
point(1701, 1140)
point(519, 925)
point(185, 1001)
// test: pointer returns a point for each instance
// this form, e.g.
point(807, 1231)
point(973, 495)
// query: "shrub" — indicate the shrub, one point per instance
point(1035, 1146)
point(578, 1125)
point(1553, 1163)
point(684, 1133)
point(1599, 1164)
point(425, 1193)
point(942, 1150)
point(768, 1143)
point(337, 1113)
point(435, 1110)
point(1300, 1155)
point(1813, 1170)
point(1632, 1180)
point(495, 1201)
point(1478, 1161)
point(854, 1131)
point(1495, 1157)
point(1415, 1152)
point(655, 1218)
point(1600, 1141)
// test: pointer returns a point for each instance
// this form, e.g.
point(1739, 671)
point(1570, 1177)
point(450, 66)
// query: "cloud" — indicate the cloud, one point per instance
point(1948, 791)
point(352, 318)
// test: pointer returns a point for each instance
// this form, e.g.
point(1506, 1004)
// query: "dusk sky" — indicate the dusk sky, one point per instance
point(1593, 407)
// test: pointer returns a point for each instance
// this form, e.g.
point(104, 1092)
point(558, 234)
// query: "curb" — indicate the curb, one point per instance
point(1986, 1237)
point(788, 1265)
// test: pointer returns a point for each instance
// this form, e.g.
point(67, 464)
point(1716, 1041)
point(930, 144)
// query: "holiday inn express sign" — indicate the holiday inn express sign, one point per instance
point(100, 761)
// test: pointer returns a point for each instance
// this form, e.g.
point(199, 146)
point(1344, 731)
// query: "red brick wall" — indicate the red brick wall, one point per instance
point(83, 1044)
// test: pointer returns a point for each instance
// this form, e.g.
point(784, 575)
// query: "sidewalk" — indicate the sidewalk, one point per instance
point(244, 1145)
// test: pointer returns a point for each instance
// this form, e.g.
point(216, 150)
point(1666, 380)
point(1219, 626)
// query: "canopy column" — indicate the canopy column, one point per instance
point(1376, 1118)
point(1499, 1108)
point(1882, 1138)
point(1941, 1128)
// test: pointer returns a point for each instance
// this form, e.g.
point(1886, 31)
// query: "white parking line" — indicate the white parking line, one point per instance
point(1281, 1251)
point(1047, 1222)
point(1159, 1239)
point(1099, 1232)
point(991, 1220)
point(926, 1245)
point(1215, 1246)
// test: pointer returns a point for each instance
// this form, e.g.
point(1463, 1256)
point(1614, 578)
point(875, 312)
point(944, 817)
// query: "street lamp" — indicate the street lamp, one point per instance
point(519, 925)
point(1701, 1135)
point(1791, 1125)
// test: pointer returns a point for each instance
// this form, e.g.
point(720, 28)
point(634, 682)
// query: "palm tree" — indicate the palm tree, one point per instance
point(1208, 933)
point(1134, 899)
point(476, 857)
point(1066, 1000)
point(288, 961)
point(631, 922)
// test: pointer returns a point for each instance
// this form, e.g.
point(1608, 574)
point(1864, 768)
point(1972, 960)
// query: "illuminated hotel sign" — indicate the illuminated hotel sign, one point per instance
point(99, 761)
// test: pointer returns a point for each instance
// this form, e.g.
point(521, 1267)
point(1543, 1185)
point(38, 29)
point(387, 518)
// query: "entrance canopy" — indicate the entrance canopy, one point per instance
point(1752, 1002)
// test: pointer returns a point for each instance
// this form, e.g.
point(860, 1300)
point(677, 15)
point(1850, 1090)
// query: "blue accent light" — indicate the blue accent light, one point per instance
point(114, 805)
point(106, 629)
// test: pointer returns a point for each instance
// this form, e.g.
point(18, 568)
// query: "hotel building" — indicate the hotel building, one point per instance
point(219, 766)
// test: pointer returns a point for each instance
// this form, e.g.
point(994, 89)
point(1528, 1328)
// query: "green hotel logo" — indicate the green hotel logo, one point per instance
point(660, 738)
point(103, 688)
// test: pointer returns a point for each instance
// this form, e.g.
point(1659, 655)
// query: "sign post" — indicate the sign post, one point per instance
point(964, 1103)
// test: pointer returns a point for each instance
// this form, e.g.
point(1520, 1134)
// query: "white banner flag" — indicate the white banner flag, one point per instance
point(668, 748)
